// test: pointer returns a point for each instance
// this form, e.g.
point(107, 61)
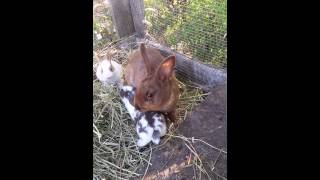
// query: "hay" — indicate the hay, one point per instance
point(115, 154)
point(198, 165)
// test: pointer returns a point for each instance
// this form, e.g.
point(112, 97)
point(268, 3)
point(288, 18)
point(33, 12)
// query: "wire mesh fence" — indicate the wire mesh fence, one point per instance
point(195, 28)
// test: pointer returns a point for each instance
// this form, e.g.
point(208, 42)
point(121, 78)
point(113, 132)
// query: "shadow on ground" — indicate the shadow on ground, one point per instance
point(207, 122)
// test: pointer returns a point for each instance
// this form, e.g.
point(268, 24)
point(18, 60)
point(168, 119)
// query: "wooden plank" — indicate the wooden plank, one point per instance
point(137, 12)
point(121, 16)
point(193, 71)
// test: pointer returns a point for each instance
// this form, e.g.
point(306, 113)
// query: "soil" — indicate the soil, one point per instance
point(208, 122)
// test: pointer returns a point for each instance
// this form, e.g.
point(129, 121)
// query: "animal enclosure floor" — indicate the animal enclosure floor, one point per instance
point(207, 122)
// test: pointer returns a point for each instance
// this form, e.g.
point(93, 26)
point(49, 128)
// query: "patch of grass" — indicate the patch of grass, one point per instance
point(193, 27)
point(103, 31)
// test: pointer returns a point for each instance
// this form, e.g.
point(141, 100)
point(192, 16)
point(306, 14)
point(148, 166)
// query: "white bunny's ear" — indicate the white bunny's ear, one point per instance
point(99, 72)
point(111, 68)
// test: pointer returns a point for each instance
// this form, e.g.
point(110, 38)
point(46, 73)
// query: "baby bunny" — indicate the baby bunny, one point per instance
point(150, 126)
point(109, 72)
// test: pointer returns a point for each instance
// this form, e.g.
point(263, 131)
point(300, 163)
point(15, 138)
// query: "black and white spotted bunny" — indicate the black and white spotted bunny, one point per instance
point(150, 126)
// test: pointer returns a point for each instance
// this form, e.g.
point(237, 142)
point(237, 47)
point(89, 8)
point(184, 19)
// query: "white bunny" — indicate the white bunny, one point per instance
point(109, 72)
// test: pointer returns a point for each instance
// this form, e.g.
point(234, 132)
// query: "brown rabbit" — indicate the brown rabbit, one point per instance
point(153, 76)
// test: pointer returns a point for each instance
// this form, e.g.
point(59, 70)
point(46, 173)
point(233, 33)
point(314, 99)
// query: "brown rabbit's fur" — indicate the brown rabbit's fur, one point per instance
point(153, 76)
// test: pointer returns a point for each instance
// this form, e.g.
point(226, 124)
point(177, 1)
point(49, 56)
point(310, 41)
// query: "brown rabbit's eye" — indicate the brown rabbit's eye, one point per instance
point(149, 96)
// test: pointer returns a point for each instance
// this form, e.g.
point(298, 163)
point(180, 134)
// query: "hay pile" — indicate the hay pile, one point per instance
point(115, 154)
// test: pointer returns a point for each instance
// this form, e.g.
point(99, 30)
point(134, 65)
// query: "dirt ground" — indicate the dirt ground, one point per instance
point(207, 122)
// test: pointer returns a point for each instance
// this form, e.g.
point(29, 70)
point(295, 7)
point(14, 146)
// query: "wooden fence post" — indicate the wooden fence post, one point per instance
point(127, 16)
point(122, 18)
point(137, 12)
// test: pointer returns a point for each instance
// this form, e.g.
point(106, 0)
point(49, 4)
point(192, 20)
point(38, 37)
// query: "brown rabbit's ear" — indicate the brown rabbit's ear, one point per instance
point(166, 67)
point(145, 58)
